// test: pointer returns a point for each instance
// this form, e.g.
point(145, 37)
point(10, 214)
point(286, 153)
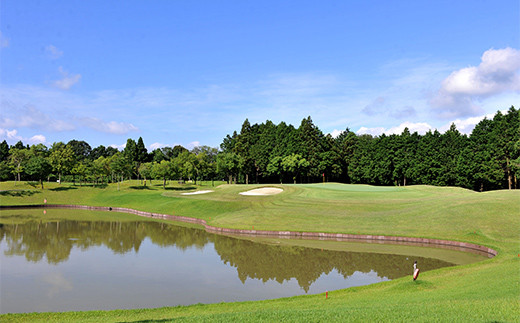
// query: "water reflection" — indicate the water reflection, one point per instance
point(53, 242)
point(62, 265)
point(306, 265)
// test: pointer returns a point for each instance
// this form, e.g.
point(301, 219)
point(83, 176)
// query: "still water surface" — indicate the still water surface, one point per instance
point(84, 265)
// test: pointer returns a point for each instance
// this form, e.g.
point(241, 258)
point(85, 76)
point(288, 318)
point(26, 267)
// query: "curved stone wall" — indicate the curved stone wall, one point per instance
point(457, 245)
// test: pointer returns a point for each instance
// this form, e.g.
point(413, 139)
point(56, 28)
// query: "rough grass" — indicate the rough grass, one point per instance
point(480, 292)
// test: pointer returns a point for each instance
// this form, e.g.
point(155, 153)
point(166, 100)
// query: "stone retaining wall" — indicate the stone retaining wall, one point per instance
point(457, 245)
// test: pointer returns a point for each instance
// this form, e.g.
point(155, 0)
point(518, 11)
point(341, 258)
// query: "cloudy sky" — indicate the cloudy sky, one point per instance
point(190, 72)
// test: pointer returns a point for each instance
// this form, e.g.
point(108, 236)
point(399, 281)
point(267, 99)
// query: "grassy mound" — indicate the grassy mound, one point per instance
point(484, 291)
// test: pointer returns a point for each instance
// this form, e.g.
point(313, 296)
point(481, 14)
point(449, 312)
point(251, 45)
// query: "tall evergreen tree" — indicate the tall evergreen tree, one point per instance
point(141, 151)
point(361, 167)
point(344, 145)
point(312, 144)
point(130, 150)
point(478, 166)
point(242, 148)
point(131, 154)
point(427, 166)
point(19, 145)
point(262, 145)
point(405, 151)
point(4, 150)
point(506, 133)
point(228, 144)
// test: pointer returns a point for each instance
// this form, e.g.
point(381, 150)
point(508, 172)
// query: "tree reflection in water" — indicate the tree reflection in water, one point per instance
point(54, 241)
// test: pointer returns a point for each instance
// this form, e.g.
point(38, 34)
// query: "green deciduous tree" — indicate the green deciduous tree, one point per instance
point(275, 167)
point(164, 170)
point(145, 170)
point(81, 169)
point(61, 158)
point(294, 164)
point(81, 149)
point(101, 168)
point(228, 164)
point(17, 158)
point(185, 163)
point(39, 168)
point(121, 167)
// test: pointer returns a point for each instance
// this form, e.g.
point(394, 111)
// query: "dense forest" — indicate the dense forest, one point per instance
point(487, 159)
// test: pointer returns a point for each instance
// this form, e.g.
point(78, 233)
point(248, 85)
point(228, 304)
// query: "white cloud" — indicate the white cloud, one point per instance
point(9, 135)
point(37, 139)
point(335, 133)
point(30, 117)
point(193, 144)
point(467, 125)
point(67, 80)
point(464, 126)
point(377, 131)
point(4, 41)
point(498, 72)
point(118, 147)
point(53, 52)
point(120, 128)
point(113, 127)
point(420, 127)
point(155, 146)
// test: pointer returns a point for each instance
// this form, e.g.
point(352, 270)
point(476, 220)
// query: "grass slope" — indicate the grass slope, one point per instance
point(484, 291)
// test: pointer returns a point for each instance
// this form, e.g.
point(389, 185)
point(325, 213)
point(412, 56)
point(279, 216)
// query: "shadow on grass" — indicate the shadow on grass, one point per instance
point(104, 185)
point(145, 321)
point(141, 187)
point(187, 188)
point(63, 188)
point(19, 193)
point(33, 184)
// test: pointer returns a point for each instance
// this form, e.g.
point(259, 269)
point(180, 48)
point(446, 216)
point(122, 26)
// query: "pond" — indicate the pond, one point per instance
point(63, 265)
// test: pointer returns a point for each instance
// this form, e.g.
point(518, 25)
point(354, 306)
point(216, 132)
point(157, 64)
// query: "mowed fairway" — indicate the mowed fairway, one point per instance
point(478, 292)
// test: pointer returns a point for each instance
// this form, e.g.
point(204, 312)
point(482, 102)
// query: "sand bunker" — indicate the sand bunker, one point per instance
point(197, 192)
point(263, 191)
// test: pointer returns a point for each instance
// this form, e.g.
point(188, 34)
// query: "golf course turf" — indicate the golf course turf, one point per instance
point(485, 291)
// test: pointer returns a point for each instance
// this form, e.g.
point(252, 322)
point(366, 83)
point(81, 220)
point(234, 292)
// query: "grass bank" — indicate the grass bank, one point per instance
point(484, 291)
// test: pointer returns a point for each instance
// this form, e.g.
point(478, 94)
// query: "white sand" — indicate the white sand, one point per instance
point(197, 192)
point(263, 191)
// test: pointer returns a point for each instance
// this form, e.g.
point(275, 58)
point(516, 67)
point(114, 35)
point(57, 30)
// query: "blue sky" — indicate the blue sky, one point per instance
point(190, 72)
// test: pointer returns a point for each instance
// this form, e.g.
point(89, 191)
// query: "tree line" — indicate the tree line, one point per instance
point(78, 162)
point(487, 159)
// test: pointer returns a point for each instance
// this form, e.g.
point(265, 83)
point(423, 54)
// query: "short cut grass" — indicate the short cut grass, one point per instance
point(479, 292)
